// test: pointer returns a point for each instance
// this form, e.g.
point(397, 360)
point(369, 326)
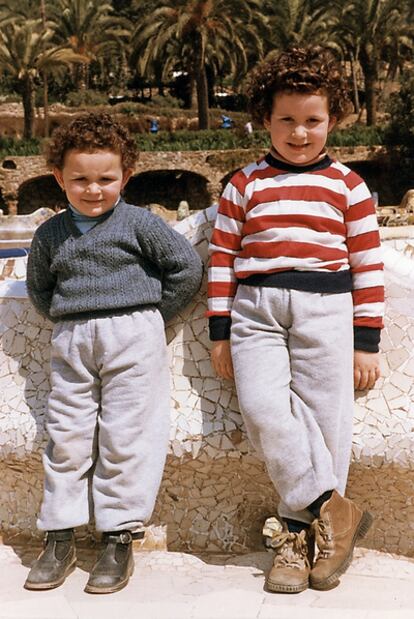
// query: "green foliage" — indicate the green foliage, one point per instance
point(10, 98)
point(164, 101)
point(209, 139)
point(23, 148)
point(224, 139)
point(80, 98)
point(400, 131)
point(357, 135)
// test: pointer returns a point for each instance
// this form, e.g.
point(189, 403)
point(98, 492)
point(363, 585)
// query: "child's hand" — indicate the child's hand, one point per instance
point(221, 359)
point(366, 369)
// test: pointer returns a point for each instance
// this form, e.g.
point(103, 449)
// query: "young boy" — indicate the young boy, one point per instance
point(295, 267)
point(107, 274)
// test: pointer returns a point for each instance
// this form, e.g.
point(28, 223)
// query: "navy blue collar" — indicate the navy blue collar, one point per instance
point(298, 169)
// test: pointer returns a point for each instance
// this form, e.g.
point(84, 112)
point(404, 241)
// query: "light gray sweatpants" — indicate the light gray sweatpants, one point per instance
point(108, 421)
point(293, 363)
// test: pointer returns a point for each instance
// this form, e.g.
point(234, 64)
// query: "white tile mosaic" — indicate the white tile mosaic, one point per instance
point(211, 469)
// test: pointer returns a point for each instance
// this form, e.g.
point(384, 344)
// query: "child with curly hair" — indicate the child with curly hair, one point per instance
point(295, 306)
point(108, 274)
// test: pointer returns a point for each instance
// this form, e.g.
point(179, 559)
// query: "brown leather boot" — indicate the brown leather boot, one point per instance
point(293, 558)
point(340, 524)
point(55, 562)
point(115, 564)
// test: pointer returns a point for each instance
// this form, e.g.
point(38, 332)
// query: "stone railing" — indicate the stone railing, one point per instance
point(215, 492)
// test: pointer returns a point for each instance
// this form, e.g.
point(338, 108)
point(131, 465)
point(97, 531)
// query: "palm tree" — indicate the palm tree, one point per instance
point(23, 10)
point(368, 31)
point(196, 33)
point(90, 28)
point(26, 51)
point(296, 22)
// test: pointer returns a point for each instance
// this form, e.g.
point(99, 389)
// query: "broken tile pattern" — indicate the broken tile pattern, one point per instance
point(13, 268)
point(216, 493)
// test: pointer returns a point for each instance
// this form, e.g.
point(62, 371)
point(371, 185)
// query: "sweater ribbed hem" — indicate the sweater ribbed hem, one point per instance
point(104, 313)
point(308, 281)
point(367, 338)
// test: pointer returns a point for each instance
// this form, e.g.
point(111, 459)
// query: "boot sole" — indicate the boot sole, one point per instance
point(44, 586)
point(93, 589)
point(332, 580)
point(278, 588)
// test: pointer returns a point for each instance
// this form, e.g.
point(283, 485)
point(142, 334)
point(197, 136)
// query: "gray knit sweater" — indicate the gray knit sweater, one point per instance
point(130, 259)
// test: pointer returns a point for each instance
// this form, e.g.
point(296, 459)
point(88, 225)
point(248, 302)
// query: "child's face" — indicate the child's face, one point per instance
point(92, 181)
point(299, 126)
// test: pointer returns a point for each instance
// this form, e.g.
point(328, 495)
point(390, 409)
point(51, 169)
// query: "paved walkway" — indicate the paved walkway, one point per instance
point(168, 585)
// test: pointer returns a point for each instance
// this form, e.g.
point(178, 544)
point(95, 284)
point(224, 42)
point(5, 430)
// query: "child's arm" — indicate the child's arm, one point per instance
point(180, 264)
point(40, 282)
point(221, 359)
point(366, 369)
point(367, 281)
point(224, 248)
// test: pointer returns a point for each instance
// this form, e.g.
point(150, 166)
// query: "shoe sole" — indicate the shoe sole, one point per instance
point(278, 588)
point(113, 589)
point(332, 580)
point(43, 586)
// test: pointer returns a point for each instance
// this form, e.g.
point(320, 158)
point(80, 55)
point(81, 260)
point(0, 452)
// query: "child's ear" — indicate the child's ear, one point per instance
point(126, 175)
point(57, 173)
point(266, 122)
point(332, 123)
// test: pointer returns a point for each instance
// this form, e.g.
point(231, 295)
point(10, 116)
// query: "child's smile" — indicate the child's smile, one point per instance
point(299, 126)
point(92, 180)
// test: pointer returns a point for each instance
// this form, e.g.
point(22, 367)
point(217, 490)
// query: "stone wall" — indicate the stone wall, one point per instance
point(215, 492)
point(26, 184)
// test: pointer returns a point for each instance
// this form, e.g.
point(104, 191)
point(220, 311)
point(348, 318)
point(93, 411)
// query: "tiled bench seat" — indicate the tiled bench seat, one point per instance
point(215, 492)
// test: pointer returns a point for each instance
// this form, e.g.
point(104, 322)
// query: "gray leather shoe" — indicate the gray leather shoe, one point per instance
point(115, 564)
point(56, 561)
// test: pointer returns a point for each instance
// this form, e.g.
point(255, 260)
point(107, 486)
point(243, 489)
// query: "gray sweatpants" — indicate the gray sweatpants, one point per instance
point(293, 362)
point(108, 421)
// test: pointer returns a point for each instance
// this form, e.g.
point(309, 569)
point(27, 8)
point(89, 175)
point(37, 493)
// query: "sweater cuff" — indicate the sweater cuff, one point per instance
point(367, 338)
point(219, 328)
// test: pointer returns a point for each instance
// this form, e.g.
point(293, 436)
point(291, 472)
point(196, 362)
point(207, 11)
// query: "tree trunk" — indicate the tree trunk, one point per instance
point(369, 67)
point(28, 107)
point(355, 84)
point(193, 92)
point(201, 83)
point(45, 82)
point(80, 79)
point(202, 100)
point(45, 104)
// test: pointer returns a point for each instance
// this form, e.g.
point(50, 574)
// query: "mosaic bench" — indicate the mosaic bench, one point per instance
point(215, 492)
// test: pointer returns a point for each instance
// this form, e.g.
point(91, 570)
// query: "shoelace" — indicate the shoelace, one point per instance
point(291, 549)
point(324, 540)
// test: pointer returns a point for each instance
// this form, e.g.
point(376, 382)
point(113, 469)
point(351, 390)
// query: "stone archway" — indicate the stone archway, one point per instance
point(226, 178)
point(168, 188)
point(377, 174)
point(3, 204)
point(40, 192)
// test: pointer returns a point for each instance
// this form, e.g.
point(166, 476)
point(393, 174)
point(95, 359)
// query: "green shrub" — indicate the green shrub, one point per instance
point(224, 139)
point(163, 101)
point(23, 148)
point(357, 135)
point(400, 131)
point(81, 98)
point(10, 98)
point(211, 139)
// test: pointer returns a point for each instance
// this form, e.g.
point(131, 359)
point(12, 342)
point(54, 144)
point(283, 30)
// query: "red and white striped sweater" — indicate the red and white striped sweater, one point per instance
point(310, 228)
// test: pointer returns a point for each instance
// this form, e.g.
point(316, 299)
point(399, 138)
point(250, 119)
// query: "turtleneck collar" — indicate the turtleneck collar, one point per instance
point(322, 164)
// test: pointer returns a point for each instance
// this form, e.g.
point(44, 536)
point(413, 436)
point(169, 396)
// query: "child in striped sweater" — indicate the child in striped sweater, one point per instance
point(295, 308)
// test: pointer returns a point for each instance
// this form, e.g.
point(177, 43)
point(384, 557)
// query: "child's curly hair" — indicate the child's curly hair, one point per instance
point(305, 70)
point(91, 132)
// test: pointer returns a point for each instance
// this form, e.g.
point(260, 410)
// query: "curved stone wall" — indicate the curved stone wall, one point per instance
point(206, 172)
point(215, 492)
